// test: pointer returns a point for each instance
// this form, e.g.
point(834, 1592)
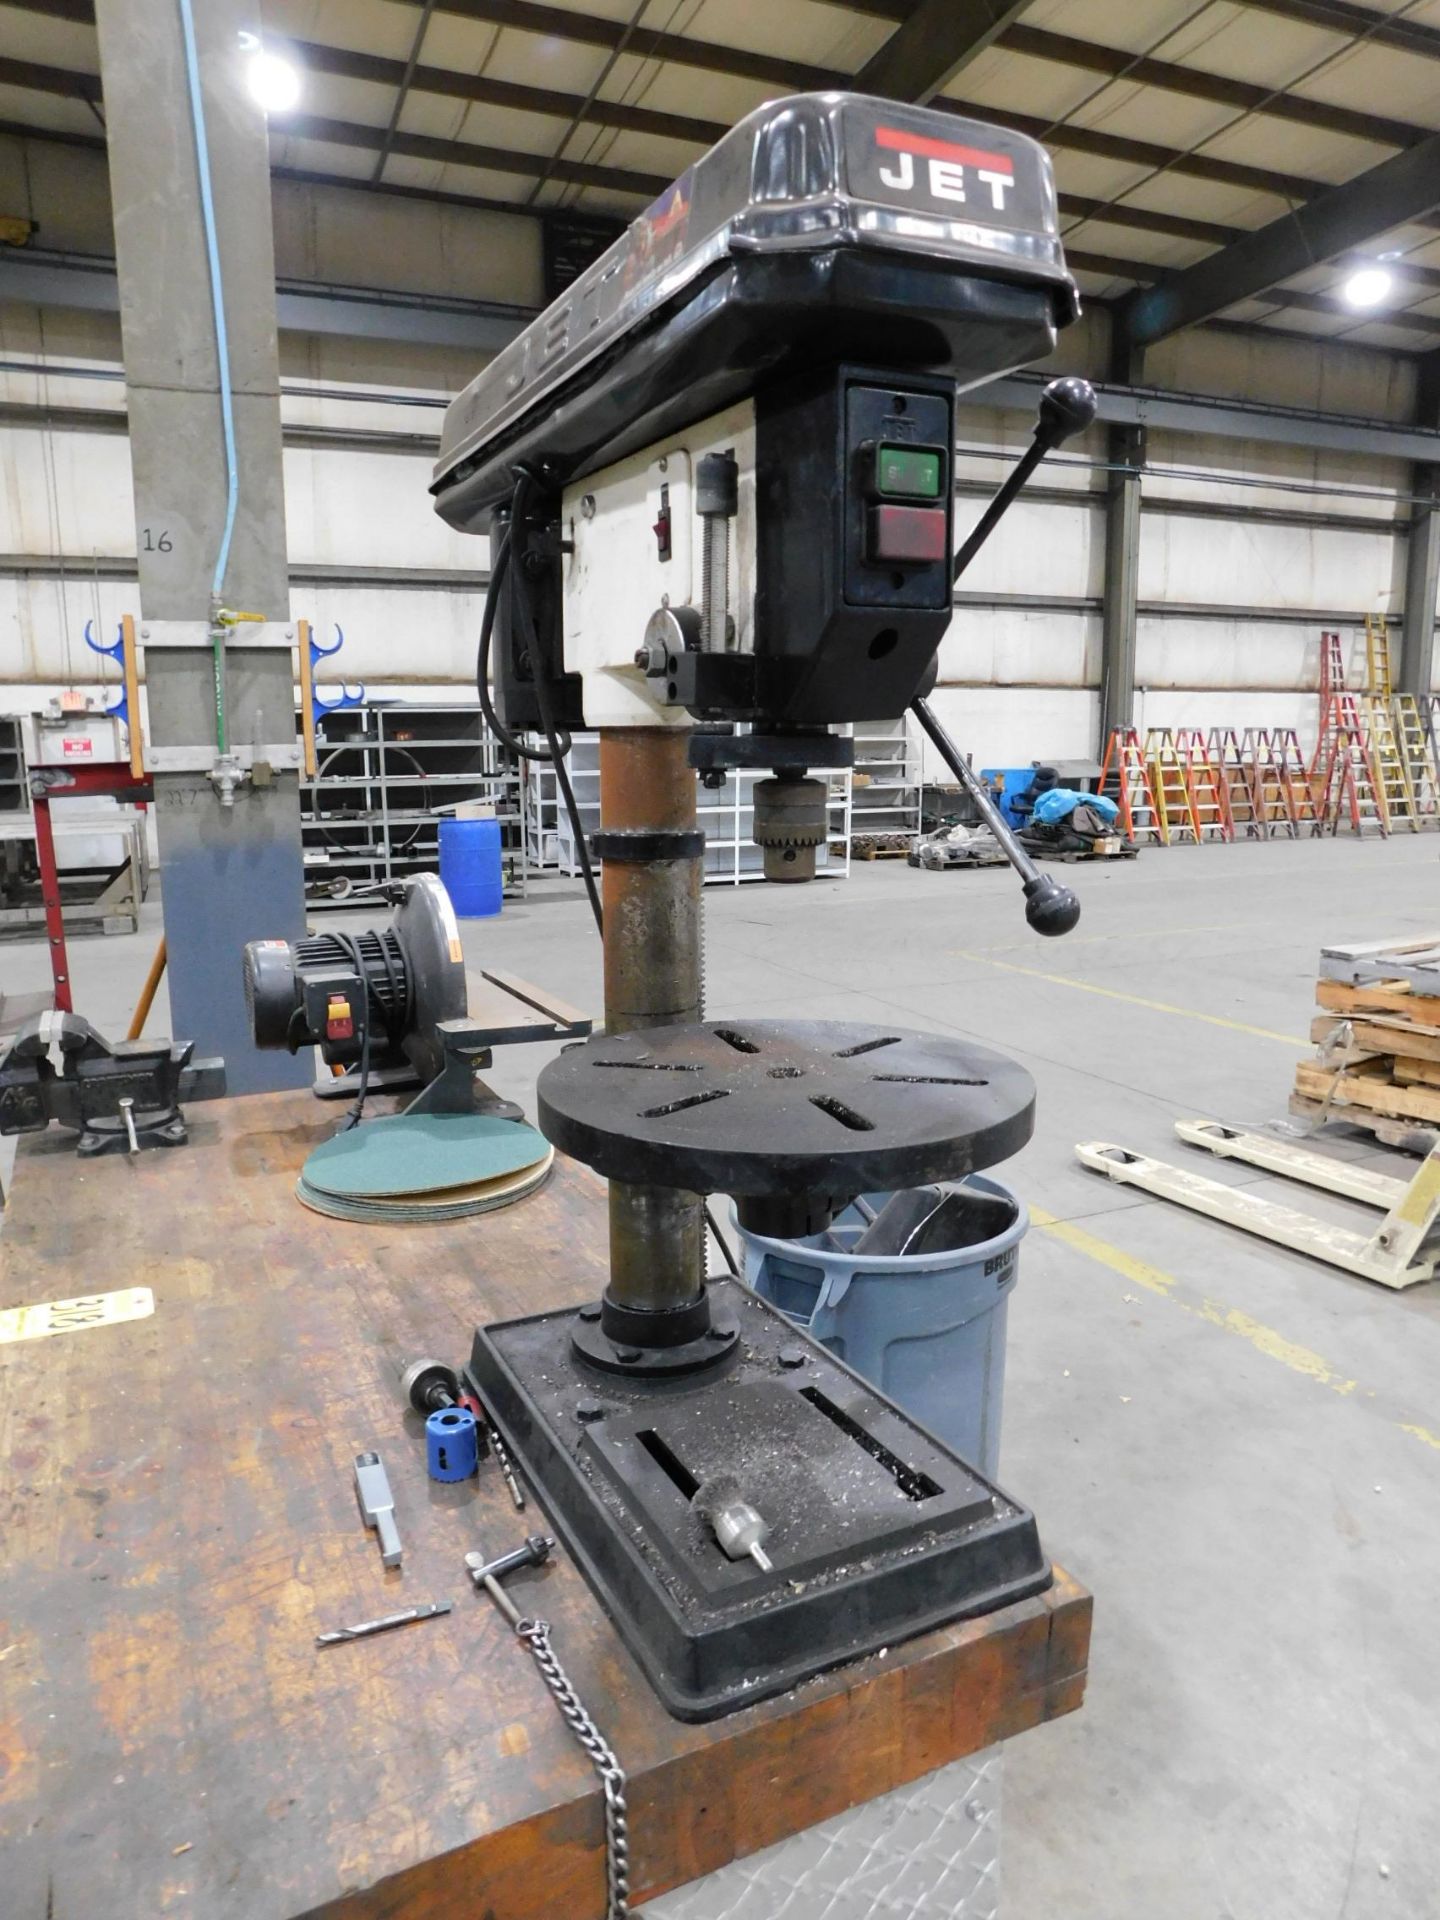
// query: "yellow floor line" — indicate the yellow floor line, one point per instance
point(1134, 999)
point(1255, 1333)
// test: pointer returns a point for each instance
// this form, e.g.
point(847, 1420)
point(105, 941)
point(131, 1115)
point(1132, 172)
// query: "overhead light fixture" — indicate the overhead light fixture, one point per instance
point(274, 83)
point(1367, 286)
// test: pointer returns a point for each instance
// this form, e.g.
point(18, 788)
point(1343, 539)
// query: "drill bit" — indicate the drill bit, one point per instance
point(382, 1625)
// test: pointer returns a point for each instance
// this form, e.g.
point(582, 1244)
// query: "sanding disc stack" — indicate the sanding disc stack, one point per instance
point(407, 1169)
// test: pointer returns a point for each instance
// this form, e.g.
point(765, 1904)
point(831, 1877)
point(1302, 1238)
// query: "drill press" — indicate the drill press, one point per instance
point(717, 475)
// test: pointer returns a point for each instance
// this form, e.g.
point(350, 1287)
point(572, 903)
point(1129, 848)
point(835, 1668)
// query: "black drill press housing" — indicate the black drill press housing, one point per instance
point(803, 304)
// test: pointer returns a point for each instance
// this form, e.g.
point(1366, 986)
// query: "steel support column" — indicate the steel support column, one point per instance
point(232, 872)
point(1125, 453)
point(654, 967)
point(1422, 551)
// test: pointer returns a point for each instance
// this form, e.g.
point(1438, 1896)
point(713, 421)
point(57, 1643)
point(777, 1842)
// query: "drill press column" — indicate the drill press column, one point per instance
point(653, 978)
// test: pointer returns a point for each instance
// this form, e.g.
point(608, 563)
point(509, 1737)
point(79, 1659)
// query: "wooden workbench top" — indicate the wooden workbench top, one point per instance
point(179, 1522)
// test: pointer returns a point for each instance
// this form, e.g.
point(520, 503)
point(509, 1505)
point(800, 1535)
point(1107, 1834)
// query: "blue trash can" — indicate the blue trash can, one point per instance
point(470, 867)
point(927, 1329)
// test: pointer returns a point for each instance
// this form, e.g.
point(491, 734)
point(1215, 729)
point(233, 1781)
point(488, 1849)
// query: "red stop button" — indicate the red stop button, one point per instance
point(907, 533)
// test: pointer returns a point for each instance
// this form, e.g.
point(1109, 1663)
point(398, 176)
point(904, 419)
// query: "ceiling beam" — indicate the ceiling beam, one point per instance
point(559, 23)
point(1146, 275)
point(929, 48)
point(448, 84)
point(528, 16)
point(68, 83)
point(1354, 22)
point(1178, 226)
point(71, 84)
point(1341, 16)
point(1063, 49)
point(1399, 189)
point(466, 153)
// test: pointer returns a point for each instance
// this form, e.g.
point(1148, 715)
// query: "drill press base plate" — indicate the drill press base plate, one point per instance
point(877, 1531)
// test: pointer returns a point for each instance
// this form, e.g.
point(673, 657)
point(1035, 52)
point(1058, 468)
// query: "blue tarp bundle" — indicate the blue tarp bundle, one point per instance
point(1060, 802)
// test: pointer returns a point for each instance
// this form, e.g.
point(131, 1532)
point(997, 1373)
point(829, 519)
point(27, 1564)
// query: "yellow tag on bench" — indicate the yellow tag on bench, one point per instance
point(73, 1316)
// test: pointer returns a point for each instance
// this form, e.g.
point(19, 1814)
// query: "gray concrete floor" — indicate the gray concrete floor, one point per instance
point(1237, 1449)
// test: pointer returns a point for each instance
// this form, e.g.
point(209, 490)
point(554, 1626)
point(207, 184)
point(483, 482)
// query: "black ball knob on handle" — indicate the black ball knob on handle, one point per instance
point(1067, 407)
point(1050, 908)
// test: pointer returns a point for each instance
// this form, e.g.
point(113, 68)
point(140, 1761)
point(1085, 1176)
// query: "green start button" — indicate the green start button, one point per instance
point(913, 472)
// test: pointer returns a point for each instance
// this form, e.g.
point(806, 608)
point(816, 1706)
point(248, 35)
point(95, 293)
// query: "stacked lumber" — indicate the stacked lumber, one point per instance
point(1377, 1034)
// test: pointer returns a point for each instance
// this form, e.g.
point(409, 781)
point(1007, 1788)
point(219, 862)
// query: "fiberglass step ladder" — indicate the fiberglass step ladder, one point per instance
point(1209, 802)
point(1239, 780)
point(1342, 772)
point(1125, 779)
point(1171, 787)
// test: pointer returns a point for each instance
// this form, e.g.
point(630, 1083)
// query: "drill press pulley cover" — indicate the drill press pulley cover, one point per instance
point(718, 477)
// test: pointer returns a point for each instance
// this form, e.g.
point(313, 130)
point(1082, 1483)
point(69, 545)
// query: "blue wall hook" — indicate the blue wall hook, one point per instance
point(347, 697)
point(121, 709)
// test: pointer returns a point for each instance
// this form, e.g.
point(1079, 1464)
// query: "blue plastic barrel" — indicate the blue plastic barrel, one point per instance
point(927, 1329)
point(470, 869)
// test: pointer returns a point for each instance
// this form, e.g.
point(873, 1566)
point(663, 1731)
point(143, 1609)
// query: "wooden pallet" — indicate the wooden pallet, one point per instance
point(1371, 1086)
point(1381, 1034)
point(1408, 1136)
point(1416, 962)
point(1392, 998)
point(1111, 846)
point(873, 849)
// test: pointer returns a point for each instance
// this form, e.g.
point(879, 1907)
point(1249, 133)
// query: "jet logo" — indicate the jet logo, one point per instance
point(946, 170)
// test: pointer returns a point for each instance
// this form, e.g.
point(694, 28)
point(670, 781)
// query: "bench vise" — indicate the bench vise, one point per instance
point(119, 1096)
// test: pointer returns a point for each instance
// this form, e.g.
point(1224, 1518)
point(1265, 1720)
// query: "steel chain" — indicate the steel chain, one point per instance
point(536, 1635)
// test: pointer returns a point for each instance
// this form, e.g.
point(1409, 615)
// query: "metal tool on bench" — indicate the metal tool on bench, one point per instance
point(489, 1573)
point(392, 1006)
point(377, 1505)
point(383, 1625)
point(119, 1096)
point(535, 1634)
point(429, 1385)
point(718, 478)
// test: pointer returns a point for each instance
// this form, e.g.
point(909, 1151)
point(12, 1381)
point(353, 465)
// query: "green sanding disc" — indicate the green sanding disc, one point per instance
point(421, 1153)
point(416, 1210)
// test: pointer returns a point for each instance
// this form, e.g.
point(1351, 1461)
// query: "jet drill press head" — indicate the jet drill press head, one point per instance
point(721, 464)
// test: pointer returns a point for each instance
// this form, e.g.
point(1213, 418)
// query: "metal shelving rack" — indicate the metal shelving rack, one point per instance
point(887, 788)
point(725, 812)
point(371, 814)
point(14, 788)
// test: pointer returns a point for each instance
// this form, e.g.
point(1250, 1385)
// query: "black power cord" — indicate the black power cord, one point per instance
point(557, 742)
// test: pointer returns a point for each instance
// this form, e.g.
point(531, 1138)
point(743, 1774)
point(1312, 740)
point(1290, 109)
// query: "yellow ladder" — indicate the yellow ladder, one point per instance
point(1392, 776)
point(1377, 657)
point(1168, 783)
point(1124, 778)
point(1417, 753)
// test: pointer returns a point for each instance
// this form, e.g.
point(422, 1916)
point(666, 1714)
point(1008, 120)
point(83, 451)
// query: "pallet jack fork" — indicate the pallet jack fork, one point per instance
point(1396, 1254)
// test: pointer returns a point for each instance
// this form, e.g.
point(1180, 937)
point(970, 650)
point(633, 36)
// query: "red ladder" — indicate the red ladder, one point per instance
point(1209, 800)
